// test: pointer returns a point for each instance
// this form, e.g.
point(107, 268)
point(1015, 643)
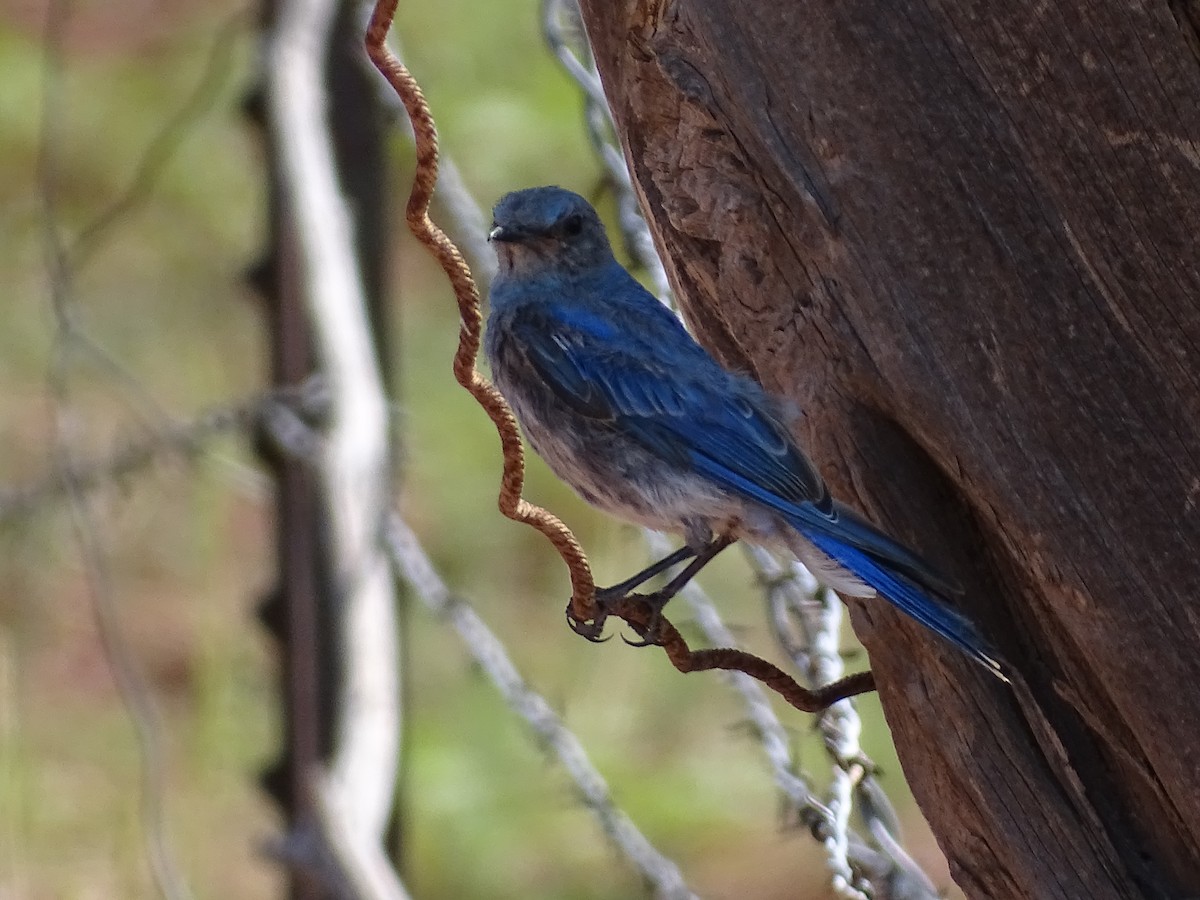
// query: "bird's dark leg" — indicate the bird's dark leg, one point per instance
point(617, 591)
point(703, 558)
point(660, 598)
point(592, 629)
point(657, 600)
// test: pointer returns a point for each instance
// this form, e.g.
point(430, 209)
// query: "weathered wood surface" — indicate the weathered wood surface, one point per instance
point(963, 237)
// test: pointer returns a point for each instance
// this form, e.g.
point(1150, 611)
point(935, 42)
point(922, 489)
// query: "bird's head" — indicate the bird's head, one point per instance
point(544, 228)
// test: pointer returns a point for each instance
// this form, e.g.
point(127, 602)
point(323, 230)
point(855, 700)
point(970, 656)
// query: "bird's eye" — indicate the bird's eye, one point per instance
point(572, 225)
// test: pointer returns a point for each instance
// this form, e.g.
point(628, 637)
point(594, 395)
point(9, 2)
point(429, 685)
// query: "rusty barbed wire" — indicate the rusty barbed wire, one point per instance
point(511, 503)
point(651, 625)
point(632, 609)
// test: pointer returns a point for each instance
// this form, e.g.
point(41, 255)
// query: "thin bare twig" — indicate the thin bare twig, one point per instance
point(74, 255)
point(163, 146)
point(181, 438)
point(134, 691)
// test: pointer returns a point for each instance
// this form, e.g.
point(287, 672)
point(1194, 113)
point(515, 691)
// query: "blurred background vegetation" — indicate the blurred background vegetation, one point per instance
point(190, 544)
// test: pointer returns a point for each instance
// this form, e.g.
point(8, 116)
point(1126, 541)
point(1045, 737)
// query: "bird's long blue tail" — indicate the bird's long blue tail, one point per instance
point(921, 604)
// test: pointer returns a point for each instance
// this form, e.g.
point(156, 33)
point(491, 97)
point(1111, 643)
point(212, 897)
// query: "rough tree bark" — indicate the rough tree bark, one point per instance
point(962, 236)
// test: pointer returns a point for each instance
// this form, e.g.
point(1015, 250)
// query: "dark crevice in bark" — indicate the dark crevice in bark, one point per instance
point(963, 537)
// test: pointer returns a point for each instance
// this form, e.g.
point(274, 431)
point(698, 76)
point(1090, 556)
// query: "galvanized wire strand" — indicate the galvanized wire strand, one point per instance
point(414, 567)
point(806, 619)
point(817, 656)
point(562, 26)
point(815, 611)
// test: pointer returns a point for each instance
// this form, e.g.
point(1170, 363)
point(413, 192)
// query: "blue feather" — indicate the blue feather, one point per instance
point(908, 598)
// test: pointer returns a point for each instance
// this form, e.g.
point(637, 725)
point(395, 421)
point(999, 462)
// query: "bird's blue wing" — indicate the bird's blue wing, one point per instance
point(909, 597)
point(694, 414)
point(662, 390)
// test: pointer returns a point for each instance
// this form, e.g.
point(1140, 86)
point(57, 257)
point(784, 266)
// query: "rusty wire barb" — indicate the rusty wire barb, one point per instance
point(653, 627)
point(582, 605)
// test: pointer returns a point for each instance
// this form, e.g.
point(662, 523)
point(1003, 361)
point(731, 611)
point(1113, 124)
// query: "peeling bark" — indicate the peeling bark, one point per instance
point(962, 237)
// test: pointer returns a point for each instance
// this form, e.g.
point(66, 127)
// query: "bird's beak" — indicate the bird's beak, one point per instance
point(502, 233)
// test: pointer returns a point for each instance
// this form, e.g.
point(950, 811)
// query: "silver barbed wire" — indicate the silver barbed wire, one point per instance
point(562, 26)
point(805, 617)
point(797, 603)
point(414, 567)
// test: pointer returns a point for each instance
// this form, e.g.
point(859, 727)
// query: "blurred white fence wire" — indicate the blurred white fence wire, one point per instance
point(413, 565)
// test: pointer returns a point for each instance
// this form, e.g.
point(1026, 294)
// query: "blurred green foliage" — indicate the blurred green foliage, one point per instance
point(190, 545)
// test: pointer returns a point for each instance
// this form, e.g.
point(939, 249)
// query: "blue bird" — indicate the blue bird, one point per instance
point(624, 405)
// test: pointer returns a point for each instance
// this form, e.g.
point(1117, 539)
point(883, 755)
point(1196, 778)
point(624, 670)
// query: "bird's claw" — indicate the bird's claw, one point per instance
point(604, 600)
point(645, 642)
point(588, 629)
point(651, 634)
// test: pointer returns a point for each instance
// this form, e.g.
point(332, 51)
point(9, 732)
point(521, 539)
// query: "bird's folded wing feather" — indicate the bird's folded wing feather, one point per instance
point(690, 412)
point(687, 410)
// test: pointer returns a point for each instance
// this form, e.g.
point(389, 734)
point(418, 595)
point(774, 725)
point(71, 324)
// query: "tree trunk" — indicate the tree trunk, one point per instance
point(962, 237)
